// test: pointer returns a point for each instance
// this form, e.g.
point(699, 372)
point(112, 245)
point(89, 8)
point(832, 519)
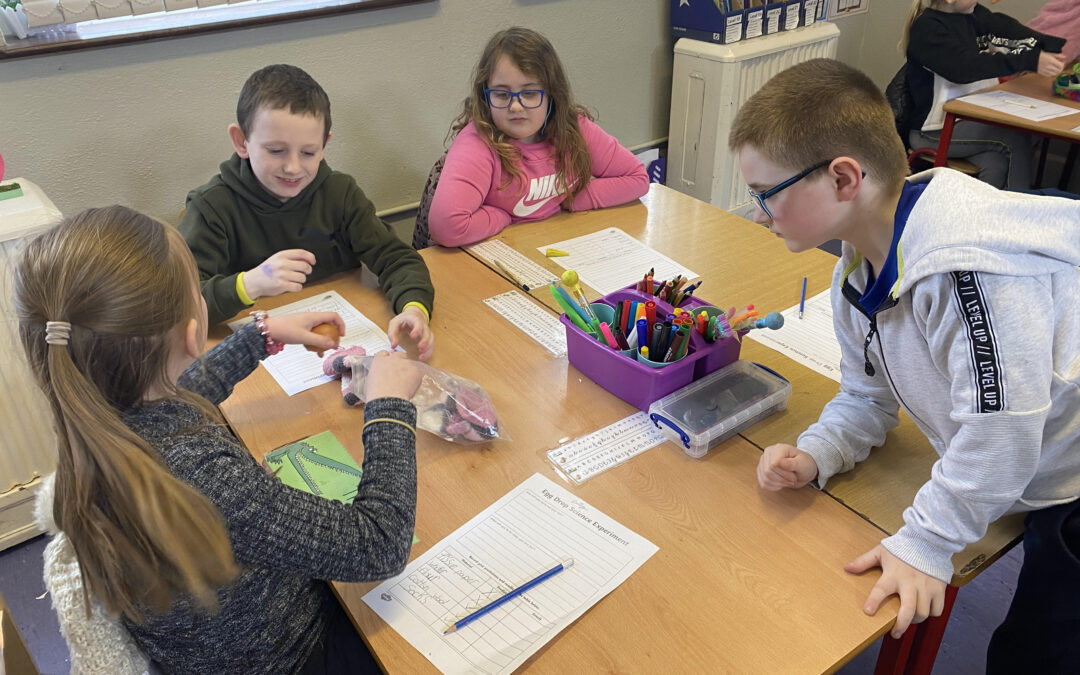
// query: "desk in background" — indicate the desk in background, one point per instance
point(1033, 85)
point(738, 568)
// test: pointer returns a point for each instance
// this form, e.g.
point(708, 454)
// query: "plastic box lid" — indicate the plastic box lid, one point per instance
point(719, 405)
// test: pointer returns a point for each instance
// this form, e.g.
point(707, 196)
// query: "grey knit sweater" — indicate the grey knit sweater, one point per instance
point(285, 541)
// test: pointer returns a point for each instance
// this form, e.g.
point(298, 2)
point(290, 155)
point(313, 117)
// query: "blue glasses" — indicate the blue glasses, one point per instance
point(502, 98)
point(760, 197)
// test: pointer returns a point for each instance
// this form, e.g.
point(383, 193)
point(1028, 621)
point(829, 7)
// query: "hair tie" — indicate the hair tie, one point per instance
point(57, 332)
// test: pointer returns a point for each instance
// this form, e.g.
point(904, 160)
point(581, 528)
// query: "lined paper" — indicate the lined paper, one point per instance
point(531, 319)
point(524, 533)
point(1019, 105)
point(583, 458)
point(811, 340)
point(528, 273)
point(294, 368)
point(611, 259)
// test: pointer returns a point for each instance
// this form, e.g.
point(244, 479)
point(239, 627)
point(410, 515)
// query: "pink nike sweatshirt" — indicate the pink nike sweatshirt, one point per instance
point(469, 206)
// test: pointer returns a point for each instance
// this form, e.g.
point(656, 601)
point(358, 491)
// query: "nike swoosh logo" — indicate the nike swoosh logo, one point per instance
point(521, 209)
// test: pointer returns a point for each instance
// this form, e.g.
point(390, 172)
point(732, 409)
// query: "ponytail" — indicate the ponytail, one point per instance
point(114, 285)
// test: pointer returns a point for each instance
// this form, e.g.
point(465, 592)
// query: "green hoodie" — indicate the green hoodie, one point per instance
point(233, 223)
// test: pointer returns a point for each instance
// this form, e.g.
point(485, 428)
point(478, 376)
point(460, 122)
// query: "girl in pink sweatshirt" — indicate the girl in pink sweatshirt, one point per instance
point(523, 148)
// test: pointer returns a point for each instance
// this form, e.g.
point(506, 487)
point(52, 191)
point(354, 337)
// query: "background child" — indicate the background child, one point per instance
point(277, 217)
point(956, 47)
point(212, 565)
point(523, 148)
point(956, 301)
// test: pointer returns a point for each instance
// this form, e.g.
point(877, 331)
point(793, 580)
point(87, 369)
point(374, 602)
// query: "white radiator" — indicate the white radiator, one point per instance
point(27, 441)
point(709, 84)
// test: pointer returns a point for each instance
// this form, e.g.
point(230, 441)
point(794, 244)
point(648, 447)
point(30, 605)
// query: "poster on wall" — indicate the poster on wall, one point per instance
point(838, 9)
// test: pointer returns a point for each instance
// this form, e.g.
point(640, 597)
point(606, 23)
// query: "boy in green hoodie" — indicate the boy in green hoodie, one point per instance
point(277, 216)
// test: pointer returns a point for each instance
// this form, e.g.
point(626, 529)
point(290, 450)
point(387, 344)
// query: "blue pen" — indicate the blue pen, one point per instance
point(461, 623)
point(573, 303)
point(642, 332)
point(802, 298)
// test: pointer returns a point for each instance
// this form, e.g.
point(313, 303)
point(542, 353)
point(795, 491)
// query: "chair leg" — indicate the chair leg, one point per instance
point(1066, 171)
point(914, 653)
point(928, 639)
point(942, 158)
point(894, 653)
point(1044, 146)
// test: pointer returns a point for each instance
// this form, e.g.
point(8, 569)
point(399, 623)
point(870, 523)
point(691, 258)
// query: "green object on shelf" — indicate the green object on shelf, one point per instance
point(10, 191)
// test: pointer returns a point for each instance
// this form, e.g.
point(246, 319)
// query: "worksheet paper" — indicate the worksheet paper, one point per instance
point(296, 369)
point(1019, 106)
point(810, 340)
point(528, 273)
point(526, 532)
point(583, 458)
point(611, 259)
point(531, 319)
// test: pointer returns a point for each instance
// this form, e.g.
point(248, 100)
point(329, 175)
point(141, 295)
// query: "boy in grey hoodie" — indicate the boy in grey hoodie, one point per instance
point(956, 301)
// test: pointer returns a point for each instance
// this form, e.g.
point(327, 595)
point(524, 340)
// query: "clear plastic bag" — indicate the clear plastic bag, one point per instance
point(451, 407)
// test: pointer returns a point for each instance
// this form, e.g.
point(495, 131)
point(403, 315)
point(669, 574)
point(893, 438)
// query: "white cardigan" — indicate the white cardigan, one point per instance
point(100, 643)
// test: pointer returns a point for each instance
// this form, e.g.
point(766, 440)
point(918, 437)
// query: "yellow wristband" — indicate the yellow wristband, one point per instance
point(241, 292)
point(388, 419)
point(423, 309)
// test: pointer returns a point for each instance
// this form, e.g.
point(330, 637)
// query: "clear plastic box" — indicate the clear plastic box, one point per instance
point(719, 405)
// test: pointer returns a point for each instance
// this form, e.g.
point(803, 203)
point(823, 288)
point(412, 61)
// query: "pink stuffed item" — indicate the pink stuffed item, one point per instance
point(451, 407)
point(1060, 18)
point(340, 364)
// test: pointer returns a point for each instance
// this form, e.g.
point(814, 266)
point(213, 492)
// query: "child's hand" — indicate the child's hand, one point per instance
point(1051, 65)
point(411, 328)
point(921, 595)
point(391, 374)
point(295, 329)
point(283, 272)
point(785, 466)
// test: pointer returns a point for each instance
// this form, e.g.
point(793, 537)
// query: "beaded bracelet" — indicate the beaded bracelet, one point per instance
point(260, 323)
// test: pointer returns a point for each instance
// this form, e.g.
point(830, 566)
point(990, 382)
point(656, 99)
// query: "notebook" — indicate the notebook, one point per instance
point(318, 464)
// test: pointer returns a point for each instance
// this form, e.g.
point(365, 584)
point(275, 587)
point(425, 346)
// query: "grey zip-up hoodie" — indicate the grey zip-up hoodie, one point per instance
point(979, 341)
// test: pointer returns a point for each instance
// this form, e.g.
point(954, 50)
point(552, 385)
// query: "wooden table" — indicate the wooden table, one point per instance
point(739, 571)
point(740, 261)
point(1032, 85)
point(743, 263)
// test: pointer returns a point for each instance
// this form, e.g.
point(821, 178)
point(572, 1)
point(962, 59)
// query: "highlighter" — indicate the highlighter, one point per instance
point(568, 310)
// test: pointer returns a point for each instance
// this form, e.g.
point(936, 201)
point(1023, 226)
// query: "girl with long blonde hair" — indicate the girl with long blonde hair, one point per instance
point(210, 564)
point(523, 148)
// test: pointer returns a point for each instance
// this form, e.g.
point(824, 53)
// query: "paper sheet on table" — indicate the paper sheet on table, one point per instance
point(296, 369)
point(530, 274)
point(531, 319)
point(811, 340)
point(524, 533)
point(583, 458)
point(1019, 106)
point(611, 259)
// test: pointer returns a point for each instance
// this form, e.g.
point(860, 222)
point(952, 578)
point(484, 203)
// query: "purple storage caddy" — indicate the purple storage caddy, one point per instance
point(638, 384)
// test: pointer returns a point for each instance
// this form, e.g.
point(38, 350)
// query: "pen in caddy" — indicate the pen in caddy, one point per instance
point(464, 621)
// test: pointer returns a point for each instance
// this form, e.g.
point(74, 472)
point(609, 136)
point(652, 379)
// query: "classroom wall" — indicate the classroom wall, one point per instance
point(141, 124)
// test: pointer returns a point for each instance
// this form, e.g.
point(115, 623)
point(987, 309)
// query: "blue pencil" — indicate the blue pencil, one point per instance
point(802, 298)
point(461, 623)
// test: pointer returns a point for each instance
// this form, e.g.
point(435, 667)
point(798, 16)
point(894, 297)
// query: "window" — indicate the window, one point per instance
point(33, 27)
